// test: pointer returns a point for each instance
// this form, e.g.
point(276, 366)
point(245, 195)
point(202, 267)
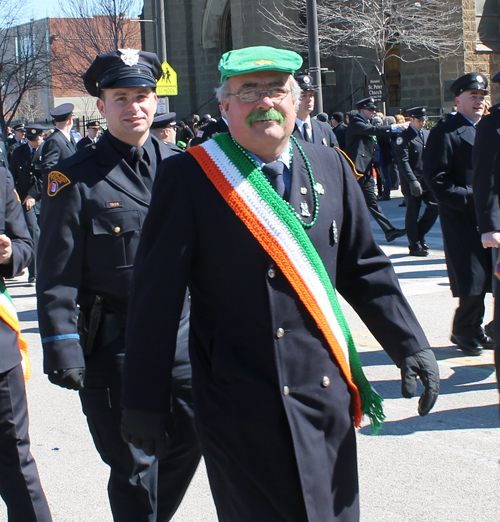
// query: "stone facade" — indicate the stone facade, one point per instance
point(199, 31)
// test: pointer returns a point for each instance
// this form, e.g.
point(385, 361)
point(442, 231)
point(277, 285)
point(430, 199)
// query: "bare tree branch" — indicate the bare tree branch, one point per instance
point(373, 29)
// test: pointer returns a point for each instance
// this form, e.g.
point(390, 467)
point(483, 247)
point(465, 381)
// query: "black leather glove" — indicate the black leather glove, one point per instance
point(71, 378)
point(424, 365)
point(415, 188)
point(146, 430)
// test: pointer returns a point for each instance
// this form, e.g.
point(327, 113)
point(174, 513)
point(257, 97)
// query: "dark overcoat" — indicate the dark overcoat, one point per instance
point(55, 149)
point(27, 172)
point(486, 164)
point(84, 142)
point(272, 408)
point(449, 174)
point(322, 134)
point(360, 145)
point(13, 224)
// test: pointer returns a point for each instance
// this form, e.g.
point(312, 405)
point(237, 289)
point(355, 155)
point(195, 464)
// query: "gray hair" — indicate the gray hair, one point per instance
point(389, 120)
point(222, 92)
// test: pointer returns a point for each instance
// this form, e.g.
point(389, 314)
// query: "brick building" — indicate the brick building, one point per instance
point(199, 31)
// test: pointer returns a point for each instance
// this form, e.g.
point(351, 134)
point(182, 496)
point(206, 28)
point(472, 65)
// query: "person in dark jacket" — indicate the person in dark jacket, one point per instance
point(449, 174)
point(234, 218)
point(409, 150)
point(339, 128)
point(18, 139)
point(307, 128)
point(93, 128)
point(20, 485)
point(26, 167)
point(360, 147)
point(94, 208)
point(486, 187)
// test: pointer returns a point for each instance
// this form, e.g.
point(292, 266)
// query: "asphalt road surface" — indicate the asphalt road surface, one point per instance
point(439, 468)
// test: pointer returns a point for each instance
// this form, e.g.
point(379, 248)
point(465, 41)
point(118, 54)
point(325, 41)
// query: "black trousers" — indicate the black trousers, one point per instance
point(34, 230)
point(140, 488)
point(367, 185)
point(19, 481)
point(469, 315)
point(416, 229)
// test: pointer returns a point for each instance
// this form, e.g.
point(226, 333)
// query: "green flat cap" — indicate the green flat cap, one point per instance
point(252, 59)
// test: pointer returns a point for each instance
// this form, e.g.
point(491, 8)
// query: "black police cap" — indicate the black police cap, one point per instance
point(473, 81)
point(19, 127)
point(417, 112)
point(496, 78)
point(305, 82)
point(62, 112)
point(122, 68)
point(93, 125)
point(34, 131)
point(366, 103)
point(162, 121)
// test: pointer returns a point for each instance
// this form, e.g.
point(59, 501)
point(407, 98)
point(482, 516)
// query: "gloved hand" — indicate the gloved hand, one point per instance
point(422, 364)
point(70, 378)
point(415, 188)
point(146, 430)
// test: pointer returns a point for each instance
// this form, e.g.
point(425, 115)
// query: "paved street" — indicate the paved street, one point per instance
point(440, 468)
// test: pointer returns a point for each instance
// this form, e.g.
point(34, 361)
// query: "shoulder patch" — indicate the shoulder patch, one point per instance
point(399, 140)
point(56, 181)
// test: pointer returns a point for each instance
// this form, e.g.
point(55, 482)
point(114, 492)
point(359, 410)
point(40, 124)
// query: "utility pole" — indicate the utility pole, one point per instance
point(161, 40)
point(313, 45)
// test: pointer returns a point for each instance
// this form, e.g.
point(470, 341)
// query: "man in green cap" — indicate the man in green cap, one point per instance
point(262, 229)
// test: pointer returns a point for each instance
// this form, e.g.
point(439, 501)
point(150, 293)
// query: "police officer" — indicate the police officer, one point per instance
point(409, 151)
point(91, 137)
point(93, 210)
point(486, 186)
point(360, 147)
point(449, 174)
point(164, 128)
point(60, 144)
point(17, 139)
point(207, 128)
point(26, 167)
point(306, 128)
point(19, 481)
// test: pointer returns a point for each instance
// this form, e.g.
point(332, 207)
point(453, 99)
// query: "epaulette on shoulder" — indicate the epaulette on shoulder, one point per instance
point(79, 156)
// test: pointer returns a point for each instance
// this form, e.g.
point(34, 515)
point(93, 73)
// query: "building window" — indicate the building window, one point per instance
point(488, 21)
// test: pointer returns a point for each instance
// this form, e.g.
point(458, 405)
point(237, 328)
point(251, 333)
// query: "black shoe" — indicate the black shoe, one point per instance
point(384, 198)
point(468, 345)
point(489, 330)
point(423, 245)
point(394, 233)
point(486, 341)
point(419, 252)
point(402, 204)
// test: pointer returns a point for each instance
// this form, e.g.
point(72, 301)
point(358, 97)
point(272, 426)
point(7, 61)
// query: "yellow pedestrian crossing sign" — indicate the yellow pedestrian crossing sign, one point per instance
point(167, 84)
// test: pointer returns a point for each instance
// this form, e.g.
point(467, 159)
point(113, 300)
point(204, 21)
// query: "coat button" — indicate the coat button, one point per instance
point(280, 333)
point(286, 390)
point(117, 230)
point(271, 273)
point(325, 382)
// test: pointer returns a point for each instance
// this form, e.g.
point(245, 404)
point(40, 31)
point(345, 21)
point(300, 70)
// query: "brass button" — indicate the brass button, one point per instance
point(286, 390)
point(325, 382)
point(271, 273)
point(117, 230)
point(280, 333)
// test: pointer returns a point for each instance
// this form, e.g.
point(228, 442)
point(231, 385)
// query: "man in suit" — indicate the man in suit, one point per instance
point(164, 128)
point(307, 129)
point(360, 147)
point(26, 167)
point(18, 139)
point(93, 128)
point(409, 150)
point(486, 186)
point(93, 211)
point(60, 144)
point(448, 172)
point(20, 485)
point(234, 218)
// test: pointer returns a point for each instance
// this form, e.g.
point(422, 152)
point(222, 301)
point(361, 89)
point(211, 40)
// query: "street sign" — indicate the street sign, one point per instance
point(162, 106)
point(375, 85)
point(167, 84)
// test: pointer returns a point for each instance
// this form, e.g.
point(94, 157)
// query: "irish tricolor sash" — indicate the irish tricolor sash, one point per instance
point(277, 228)
point(9, 315)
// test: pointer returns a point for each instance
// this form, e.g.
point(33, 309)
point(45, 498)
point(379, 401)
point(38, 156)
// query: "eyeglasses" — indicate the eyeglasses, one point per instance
point(252, 95)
